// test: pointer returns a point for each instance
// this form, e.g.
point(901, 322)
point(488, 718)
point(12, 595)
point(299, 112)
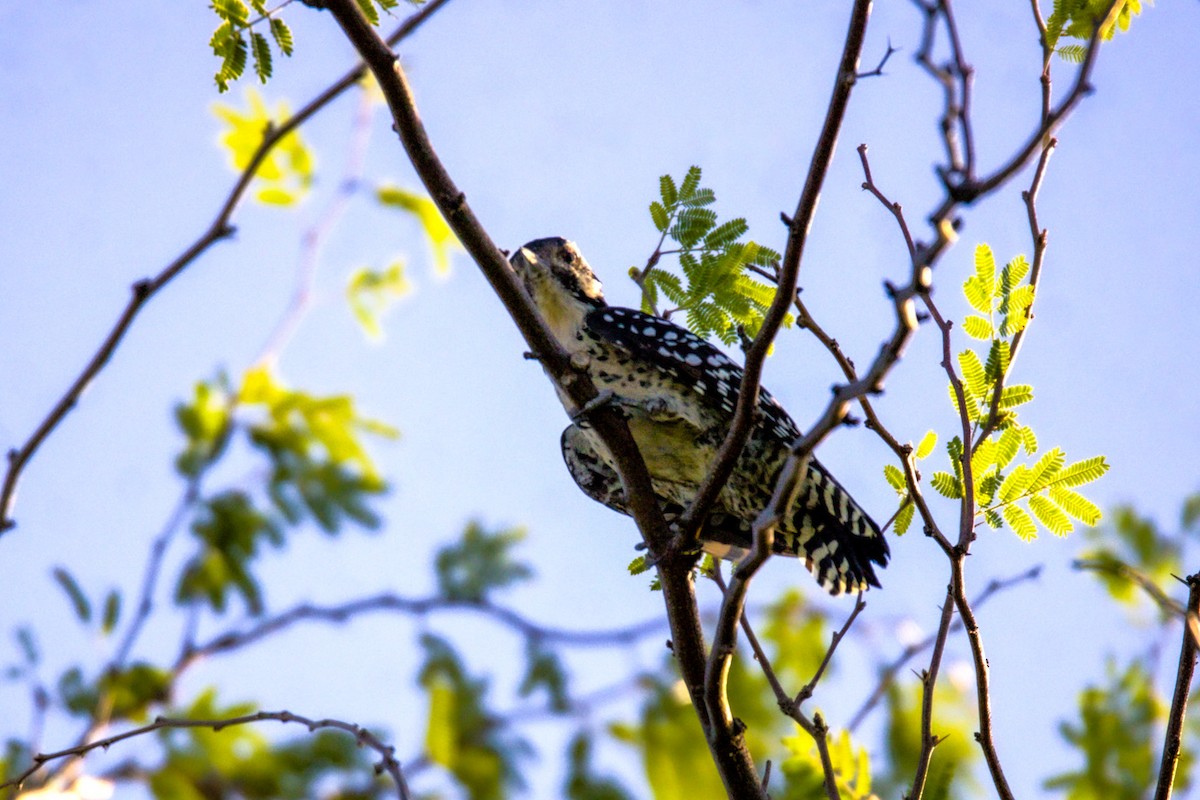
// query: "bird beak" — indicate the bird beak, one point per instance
point(528, 255)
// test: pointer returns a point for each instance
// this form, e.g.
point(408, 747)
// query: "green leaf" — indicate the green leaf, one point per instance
point(1019, 520)
point(691, 182)
point(1028, 439)
point(371, 293)
point(79, 601)
point(1013, 273)
point(1016, 484)
point(479, 563)
point(1046, 470)
point(1013, 396)
point(666, 188)
point(726, 234)
point(979, 289)
point(947, 485)
point(480, 752)
point(1081, 472)
point(659, 214)
point(131, 691)
point(262, 56)
point(904, 518)
point(1016, 311)
point(112, 611)
point(998, 360)
point(1075, 504)
point(285, 174)
point(545, 670)
point(369, 11)
point(973, 374)
point(582, 783)
point(928, 442)
point(1116, 734)
point(1050, 515)
point(282, 35)
point(439, 234)
point(895, 478)
point(977, 327)
point(233, 10)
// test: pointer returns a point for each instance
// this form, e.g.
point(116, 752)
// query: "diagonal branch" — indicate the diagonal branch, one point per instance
point(729, 753)
point(362, 736)
point(145, 289)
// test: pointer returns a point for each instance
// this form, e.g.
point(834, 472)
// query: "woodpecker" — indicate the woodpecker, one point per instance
point(678, 393)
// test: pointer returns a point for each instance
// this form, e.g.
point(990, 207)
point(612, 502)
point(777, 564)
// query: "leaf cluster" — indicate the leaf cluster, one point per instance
point(1117, 735)
point(480, 562)
point(1133, 548)
point(1078, 19)
point(285, 174)
point(235, 38)
point(953, 758)
point(805, 774)
point(713, 288)
point(317, 466)
point(1007, 489)
point(462, 735)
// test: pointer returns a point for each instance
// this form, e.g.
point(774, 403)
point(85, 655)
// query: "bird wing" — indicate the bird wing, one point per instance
point(686, 358)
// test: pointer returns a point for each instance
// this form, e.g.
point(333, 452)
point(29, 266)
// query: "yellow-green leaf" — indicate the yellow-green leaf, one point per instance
point(977, 327)
point(1053, 518)
point(928, 442)
point(1019, 520)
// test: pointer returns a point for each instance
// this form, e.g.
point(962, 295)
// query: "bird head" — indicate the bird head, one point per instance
point(560, 282)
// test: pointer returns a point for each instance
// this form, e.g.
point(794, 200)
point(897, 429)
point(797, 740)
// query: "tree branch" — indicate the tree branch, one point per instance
point(362, 736)
point(728, 750)
point(1173, 740)
point(143, 290)
point(419, 607)
point(888, 675)
point(928, 681)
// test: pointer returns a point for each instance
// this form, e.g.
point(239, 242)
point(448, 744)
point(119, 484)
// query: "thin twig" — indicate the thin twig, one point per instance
point(418, 607)
point(928, 681)
point(313, 239)
point(888, 675)
point(806, 691)
point(362, 736)
point(985, 737)
point(1173, 740)
point(816, 727)
point(146, 288)
point(1169, 605)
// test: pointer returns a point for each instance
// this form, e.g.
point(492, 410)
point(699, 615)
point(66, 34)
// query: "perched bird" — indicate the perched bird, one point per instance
point(678, 394)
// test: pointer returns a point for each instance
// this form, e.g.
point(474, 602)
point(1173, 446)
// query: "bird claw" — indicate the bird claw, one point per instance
point(598, 402)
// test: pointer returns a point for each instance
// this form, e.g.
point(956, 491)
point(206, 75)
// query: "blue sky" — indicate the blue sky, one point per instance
point(558, 120)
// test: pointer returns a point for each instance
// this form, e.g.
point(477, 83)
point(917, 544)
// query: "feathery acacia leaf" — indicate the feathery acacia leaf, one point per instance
point(977, 327)
point(947, 485)
point(925, 447)
point(715, 293)
point(1050, 515)
point(1019, 520)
